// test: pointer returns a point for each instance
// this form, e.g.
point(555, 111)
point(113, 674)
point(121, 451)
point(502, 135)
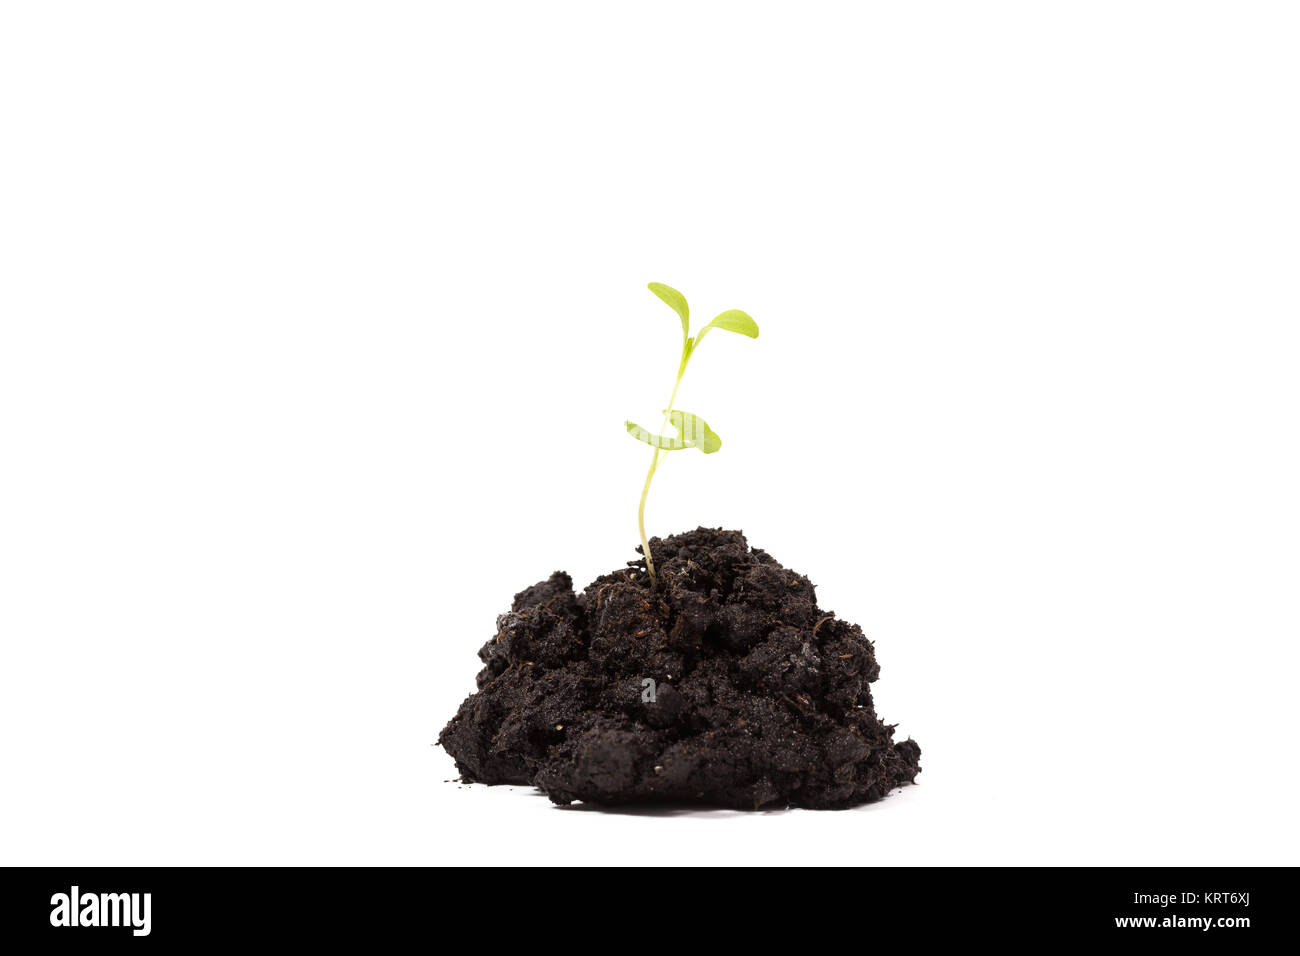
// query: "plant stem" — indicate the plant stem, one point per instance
point(654, 465)
point(640, 517)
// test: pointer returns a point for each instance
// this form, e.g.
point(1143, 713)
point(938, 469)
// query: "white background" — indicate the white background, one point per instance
point(320, 325)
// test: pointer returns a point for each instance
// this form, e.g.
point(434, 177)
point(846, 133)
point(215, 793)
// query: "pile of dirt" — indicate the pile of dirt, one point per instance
point(726, 686)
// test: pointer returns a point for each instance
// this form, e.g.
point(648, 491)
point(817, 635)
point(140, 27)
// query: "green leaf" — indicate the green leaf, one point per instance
point(678, 303)
point(733, 320)
point(692, 431)
point(656, 441)
point(695, 431)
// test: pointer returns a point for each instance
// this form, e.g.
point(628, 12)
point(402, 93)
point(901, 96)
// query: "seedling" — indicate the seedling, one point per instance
point(692, 431)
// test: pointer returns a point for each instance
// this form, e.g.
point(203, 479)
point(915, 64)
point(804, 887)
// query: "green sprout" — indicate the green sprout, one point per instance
point(692, 431)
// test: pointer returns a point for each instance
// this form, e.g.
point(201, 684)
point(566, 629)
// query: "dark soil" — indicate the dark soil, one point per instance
point(761, 699)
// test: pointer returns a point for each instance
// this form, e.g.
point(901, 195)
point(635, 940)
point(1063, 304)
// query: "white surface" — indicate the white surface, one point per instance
point(320, 324)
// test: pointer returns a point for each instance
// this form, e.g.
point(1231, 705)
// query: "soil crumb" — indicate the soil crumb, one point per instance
point(726, 687)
